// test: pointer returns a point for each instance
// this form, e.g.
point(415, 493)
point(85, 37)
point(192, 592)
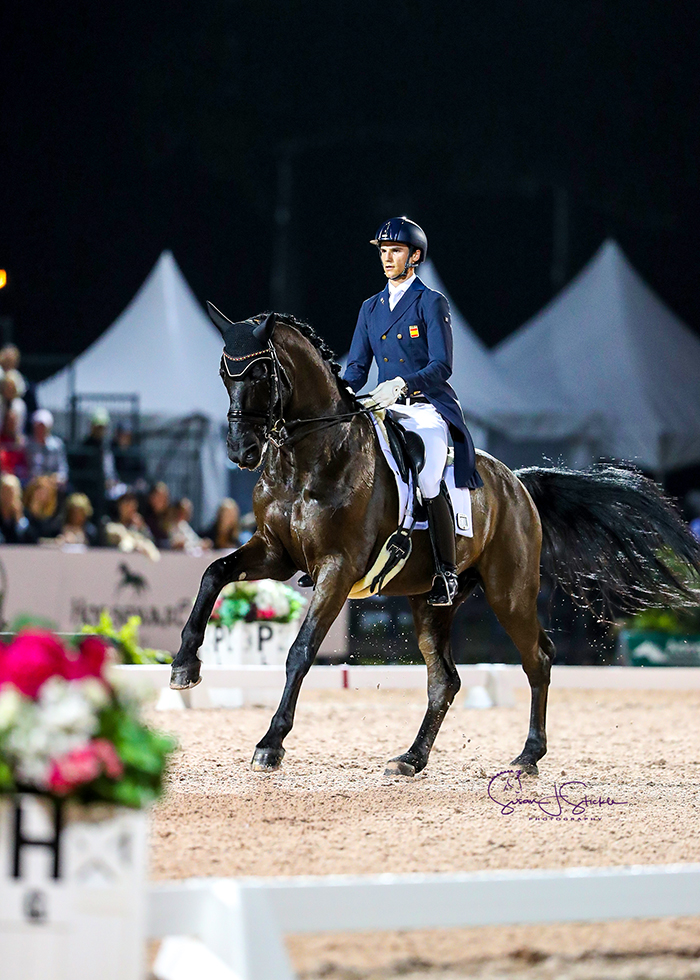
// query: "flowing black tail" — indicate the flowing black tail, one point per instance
point(610, 536)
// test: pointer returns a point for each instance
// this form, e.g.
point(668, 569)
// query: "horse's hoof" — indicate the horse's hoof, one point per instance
point(183, 678)
point(267, 760)
point(399, 767)
point(526, 766)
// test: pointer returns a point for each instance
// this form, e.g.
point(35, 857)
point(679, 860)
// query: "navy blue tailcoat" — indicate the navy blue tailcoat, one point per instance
point(414, 342)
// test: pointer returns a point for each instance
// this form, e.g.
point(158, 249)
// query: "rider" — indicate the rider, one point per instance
point(407, 328)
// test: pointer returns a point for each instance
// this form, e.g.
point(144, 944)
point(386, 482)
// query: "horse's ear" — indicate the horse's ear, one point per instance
point(221, 322)
point(263, 331)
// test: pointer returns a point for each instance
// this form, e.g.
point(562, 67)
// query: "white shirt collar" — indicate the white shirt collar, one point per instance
point(397, 289)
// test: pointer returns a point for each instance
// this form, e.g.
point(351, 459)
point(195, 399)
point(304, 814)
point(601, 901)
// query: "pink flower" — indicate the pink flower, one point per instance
point(83, 765)
point(107, 755)
point(31, 659)
point(266, 614)
point(73, 769)
point(90, 660)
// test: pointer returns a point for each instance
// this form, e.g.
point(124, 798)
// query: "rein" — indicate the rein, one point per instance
point(276, 427)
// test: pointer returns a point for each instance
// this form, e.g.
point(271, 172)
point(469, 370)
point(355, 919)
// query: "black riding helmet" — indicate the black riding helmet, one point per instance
point(403, 231)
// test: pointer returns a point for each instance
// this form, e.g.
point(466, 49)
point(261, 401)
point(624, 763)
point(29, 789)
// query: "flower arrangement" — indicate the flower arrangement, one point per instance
point(126, 641)
point(251, 602)
point(67, 732)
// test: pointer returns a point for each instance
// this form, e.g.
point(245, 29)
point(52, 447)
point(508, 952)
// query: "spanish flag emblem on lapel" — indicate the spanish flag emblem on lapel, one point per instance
point(413, 330)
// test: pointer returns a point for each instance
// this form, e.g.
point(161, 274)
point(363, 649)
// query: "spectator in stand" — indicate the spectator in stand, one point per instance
point(157, 514)
point(13, 447)
point(12, 391)
point(183, 537)
point(129, 532)
point(77, 528)
point(46, 453)
point(14, 526)
point(9, 361)
point(41, 508)
point(97, 440)
point(225, 532)
point(128, 462)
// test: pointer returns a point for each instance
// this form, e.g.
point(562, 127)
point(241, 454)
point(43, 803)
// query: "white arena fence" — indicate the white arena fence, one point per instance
point(483, 685)
point(232, 929)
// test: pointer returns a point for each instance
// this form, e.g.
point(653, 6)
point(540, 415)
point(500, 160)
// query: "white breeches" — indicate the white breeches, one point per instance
point(432, 428)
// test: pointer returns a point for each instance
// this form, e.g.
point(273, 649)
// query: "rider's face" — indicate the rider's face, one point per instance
point(394, 258)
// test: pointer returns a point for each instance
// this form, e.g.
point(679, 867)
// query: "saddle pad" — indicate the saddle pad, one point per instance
point(460, 496)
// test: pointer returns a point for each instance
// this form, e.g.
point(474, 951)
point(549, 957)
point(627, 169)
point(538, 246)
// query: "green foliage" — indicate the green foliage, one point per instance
point(681, 622)
point(126, 640)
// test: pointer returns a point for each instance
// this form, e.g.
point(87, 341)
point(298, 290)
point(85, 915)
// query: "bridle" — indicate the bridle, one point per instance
point(277, 429)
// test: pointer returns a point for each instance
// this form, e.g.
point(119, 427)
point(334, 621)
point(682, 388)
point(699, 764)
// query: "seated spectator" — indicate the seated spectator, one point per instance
point(129, 531)
point(225, 532)
point(77, 528)
point(128, 462)
point(183, 537)
point(46, 453)
point(157, 514)
point(41, 508)
point(97, 440)
point(12, 391)
point(9, 361)
point(14, 526)
point(13, 447)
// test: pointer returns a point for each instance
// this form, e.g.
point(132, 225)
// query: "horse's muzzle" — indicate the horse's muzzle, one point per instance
point(245, 452)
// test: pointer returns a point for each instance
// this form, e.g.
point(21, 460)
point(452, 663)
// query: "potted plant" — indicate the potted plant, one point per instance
point(78, 768)
point(251, 623)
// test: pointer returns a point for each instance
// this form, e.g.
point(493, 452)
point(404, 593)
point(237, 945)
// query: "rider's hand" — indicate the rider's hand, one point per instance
point(386, 394)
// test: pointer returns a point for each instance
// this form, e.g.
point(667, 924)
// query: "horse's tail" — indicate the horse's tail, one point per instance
point(610, 535)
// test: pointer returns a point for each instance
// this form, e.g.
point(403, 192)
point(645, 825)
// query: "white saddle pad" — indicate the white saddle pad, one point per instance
point(460, 496)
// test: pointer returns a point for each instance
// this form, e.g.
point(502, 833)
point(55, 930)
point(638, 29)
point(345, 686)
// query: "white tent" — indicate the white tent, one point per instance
point(609, 345)
point(163, 348)
point(489, 398)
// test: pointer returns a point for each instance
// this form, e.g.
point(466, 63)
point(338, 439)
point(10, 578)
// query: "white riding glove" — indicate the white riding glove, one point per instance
point(386, 394)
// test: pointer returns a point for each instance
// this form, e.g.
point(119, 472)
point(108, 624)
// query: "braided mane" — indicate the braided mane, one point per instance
point(306, 330)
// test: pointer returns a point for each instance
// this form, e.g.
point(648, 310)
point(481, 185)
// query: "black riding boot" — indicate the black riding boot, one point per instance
point(442, 537)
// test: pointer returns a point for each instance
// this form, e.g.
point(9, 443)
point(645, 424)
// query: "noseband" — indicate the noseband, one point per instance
point(276, 428)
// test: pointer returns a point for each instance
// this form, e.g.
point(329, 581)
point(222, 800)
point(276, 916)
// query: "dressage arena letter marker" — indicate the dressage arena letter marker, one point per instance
point(264, 634)
point(53, 843)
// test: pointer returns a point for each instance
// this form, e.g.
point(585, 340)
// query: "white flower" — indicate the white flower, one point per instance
point(10, 705)
point(94, 692)
point(63, 706)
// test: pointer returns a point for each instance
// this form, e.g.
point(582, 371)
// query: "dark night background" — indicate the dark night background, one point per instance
point(136, 127)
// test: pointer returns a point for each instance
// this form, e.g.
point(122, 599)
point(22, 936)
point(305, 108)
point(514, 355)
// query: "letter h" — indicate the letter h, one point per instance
point(53, 843)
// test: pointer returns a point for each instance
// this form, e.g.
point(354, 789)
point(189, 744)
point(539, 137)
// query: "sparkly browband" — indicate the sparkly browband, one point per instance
point(243, 357)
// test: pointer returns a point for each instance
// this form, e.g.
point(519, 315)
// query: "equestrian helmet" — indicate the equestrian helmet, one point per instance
point(405, 232)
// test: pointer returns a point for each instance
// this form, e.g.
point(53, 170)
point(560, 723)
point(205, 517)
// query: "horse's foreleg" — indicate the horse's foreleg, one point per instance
point(332, 587)
point(254, 560)
point(433, 626)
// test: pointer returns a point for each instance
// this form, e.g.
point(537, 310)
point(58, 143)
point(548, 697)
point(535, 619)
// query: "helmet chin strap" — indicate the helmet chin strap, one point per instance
point(409, 265)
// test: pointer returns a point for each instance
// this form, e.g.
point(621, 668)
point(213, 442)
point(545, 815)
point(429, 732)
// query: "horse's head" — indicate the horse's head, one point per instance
point(248, 372)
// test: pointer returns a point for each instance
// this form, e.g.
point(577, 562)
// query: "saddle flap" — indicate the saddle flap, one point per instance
point(407, 448)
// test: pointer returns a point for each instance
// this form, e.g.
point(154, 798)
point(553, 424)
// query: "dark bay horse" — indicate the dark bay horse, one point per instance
point(326, 502)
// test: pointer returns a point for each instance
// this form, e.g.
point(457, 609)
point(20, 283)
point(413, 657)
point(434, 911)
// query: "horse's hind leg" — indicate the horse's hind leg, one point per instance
point(513, 597)
point(433, 626)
